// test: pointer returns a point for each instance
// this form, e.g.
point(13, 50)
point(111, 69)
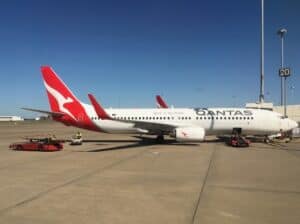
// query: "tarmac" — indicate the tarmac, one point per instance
point(123, 179)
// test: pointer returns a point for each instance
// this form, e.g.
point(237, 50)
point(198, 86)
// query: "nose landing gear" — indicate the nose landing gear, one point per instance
point(237, 140)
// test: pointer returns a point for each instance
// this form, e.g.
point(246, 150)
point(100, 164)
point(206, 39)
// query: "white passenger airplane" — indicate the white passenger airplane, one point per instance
point(184, 124)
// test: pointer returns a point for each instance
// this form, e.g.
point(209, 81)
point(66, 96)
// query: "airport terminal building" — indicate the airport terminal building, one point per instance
point(11, 118)
point(292, 111)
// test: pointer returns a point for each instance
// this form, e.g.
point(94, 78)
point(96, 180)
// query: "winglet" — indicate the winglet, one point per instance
point(98, 108)
point(161, 102)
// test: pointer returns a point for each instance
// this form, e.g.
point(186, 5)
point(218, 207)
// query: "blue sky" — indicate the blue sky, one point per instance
point(193, 53)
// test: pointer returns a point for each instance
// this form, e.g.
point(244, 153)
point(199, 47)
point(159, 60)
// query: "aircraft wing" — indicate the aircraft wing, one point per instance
point(151, 127)
point(53, 114)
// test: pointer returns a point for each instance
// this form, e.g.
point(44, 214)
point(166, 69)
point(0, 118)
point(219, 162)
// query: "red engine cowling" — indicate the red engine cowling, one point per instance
point(189, 134)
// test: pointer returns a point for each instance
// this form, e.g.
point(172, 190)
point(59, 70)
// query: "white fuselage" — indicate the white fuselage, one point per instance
point(214, 120)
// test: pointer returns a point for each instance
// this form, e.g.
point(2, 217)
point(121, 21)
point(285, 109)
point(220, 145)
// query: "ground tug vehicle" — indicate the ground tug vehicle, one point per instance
point(38, 144)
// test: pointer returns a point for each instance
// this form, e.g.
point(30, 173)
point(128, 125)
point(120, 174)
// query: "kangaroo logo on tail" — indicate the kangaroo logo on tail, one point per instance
point(61, 100)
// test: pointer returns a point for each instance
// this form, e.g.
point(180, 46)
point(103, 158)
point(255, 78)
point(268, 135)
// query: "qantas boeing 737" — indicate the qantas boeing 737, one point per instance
point(184, 124)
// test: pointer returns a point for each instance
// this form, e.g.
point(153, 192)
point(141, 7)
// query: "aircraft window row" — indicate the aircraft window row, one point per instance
point(184, 118)
point(180, 118)
point(145, 118)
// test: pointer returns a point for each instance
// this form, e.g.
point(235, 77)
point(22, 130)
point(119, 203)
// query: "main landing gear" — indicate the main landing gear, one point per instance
point(267, 140)
point(160, 139)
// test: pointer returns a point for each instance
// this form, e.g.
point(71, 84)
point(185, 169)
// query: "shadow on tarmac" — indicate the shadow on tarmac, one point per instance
point(143, 142)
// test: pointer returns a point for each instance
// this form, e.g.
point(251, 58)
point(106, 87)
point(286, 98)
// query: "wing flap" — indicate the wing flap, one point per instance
point(152, 127)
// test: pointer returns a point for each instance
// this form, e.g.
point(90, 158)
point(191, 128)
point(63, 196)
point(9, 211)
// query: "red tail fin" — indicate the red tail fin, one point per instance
point(161, 102)
point(62, 100)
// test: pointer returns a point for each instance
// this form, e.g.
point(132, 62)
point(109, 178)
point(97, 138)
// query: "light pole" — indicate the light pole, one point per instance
point(283, 72)
point(262, 57)
point(281, 33)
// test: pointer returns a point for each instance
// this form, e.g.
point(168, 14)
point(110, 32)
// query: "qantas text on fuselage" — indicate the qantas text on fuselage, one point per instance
point(228, 112)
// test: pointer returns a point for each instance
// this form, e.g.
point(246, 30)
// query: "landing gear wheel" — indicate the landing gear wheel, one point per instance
point(266, 140)
point(160, 139)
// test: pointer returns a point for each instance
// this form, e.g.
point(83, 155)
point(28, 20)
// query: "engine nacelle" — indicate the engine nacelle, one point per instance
point(189, 134)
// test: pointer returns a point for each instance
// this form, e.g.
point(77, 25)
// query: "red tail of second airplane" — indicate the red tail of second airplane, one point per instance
point(160, 102)
point(62, 100)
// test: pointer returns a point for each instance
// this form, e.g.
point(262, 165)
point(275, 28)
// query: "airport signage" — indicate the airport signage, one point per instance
point(284, 72)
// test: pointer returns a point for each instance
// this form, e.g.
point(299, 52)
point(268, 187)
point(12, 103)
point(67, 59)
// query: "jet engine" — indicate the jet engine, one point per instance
point(189, 134)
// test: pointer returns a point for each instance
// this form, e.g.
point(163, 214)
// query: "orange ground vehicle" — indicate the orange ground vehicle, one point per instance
point(43, 144)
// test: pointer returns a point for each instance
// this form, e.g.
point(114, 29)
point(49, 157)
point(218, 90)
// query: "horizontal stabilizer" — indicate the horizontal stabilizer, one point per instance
point(53, 114)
